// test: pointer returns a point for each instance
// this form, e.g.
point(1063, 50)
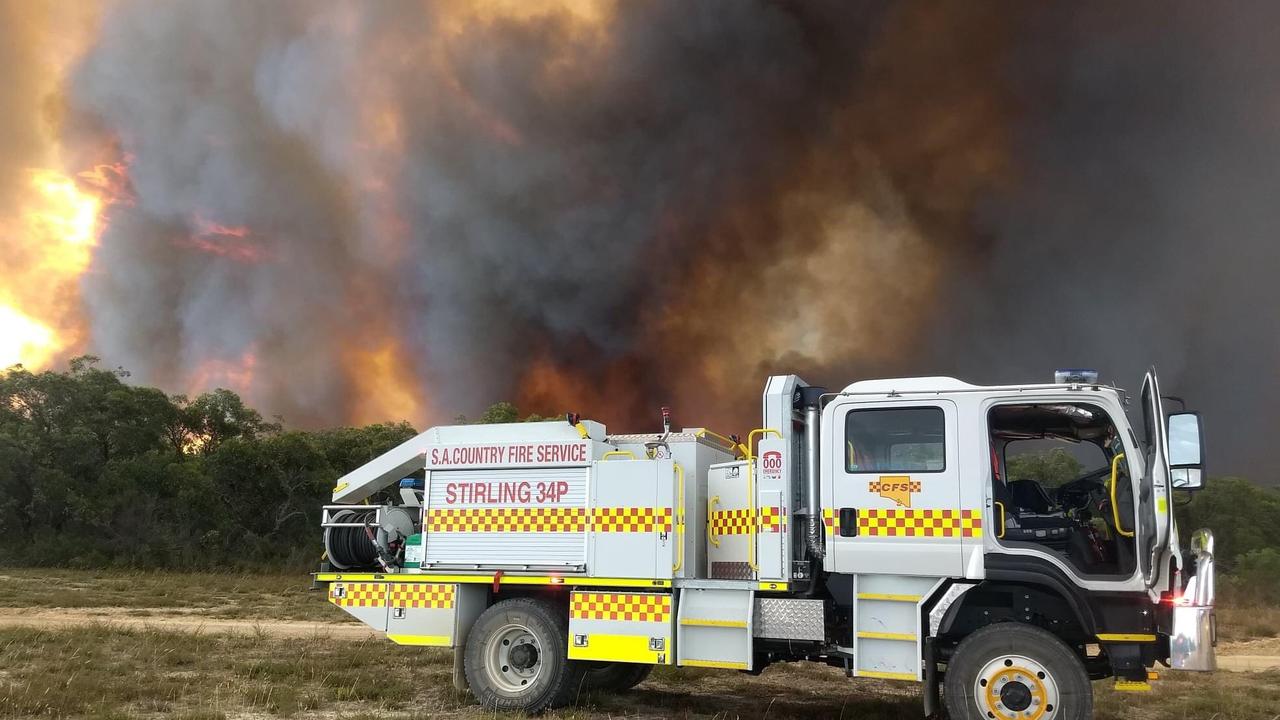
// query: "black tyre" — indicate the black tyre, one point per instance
point(517, 657)
point(1011, 671)
point(614, 676)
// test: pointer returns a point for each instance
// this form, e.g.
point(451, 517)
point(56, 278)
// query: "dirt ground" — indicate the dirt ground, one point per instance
point(214, 647)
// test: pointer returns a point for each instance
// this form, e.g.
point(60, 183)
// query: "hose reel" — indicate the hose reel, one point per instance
point(363, 536)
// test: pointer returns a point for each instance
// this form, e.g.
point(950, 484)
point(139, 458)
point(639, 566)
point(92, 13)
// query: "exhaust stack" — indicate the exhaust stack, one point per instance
point(811, 401)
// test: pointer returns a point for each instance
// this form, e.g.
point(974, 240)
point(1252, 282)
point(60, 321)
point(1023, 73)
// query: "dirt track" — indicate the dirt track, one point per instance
point(187, 622)
point(1231, 657)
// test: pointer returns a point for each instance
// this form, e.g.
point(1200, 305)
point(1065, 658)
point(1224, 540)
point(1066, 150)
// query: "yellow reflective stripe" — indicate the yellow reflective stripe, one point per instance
point(889, 597)
point(1126, 637)
point(340, 488)
point(769, 585)
point(488, 579)
point(866, 635)
point(715, 664)
point(699, 622)
point(884, 675)
point(423, 640)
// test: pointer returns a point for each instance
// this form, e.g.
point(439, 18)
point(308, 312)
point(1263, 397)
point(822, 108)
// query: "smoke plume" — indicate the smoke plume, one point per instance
point(355, 212)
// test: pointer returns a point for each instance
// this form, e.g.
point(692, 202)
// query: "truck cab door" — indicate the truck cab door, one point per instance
point(1153, 492)
point(891, 488)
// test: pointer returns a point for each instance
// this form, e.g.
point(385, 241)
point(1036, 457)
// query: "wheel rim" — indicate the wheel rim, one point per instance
point(513, 658)
point(1015, 687)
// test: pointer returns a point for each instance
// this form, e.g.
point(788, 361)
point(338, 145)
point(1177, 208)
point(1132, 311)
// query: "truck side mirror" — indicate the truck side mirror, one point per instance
point(1186, 451)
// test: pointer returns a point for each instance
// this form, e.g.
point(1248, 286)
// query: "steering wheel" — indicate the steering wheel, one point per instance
point(1076, 493)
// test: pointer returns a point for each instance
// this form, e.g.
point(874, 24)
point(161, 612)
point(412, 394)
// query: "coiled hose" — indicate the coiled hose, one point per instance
point(352, 547)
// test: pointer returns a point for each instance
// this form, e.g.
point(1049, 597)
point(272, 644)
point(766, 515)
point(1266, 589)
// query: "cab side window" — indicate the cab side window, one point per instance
point(895, 440)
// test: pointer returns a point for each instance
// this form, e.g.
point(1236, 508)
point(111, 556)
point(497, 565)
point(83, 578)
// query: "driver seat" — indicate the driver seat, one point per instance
point(1030, 495)
point(1029, 514)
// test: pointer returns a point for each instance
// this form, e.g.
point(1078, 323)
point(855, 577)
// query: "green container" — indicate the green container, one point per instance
point(413, 551)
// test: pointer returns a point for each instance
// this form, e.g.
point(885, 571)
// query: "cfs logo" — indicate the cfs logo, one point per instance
point(897, 488)
point(771, 465)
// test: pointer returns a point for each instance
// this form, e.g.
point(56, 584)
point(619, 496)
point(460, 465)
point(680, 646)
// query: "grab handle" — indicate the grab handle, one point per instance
point(1115, 508)
point(679, 520)
point(711, 527)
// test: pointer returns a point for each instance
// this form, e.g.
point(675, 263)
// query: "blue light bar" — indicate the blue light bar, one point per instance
point(1075, 376)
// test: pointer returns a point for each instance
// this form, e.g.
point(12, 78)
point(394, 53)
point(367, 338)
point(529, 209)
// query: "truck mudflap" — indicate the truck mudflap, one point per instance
point(1191, 644)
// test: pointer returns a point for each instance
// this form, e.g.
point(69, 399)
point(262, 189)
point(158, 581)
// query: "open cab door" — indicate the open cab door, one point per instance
point(1154, 514)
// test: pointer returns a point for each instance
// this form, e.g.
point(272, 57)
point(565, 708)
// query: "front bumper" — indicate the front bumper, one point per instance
point(1191, 644)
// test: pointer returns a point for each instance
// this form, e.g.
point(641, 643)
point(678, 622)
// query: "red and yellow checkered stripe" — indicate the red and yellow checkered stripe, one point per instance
point(358, 594)
point(831, 519)
point(507, 519)
point(620, 606)
point(773, 519)
point(739, 521)
point(420, 595)
point(904, 522)
point(631, 519)
point(568, 520)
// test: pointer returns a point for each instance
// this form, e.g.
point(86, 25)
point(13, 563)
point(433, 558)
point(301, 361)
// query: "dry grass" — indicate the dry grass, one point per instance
point(102, 672)
point(1249, 622)
point(106, 672)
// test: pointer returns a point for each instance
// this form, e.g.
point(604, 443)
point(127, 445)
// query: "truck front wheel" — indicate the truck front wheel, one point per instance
point(1011, 671)
point(517, 657)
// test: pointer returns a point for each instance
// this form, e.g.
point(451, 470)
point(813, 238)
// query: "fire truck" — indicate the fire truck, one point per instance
point(885, 529)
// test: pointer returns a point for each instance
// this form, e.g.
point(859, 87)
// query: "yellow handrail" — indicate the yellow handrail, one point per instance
point(1001, 506)
point(679, 520)
point(751, 438)
point(1115, 507)
point(711, 509)
point(618, 453)
point(751, 495)
point(733, 446)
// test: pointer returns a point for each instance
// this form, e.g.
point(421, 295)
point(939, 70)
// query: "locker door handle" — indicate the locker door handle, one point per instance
point(848, 522)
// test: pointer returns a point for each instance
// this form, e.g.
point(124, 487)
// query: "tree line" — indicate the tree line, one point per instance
point(96, 471)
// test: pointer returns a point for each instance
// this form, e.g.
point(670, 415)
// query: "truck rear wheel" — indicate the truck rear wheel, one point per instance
point(615, 676)
point(517, 657)
point(1011, 671)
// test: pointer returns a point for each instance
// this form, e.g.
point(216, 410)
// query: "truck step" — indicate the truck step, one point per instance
point(715, 628)
point(1133, 686)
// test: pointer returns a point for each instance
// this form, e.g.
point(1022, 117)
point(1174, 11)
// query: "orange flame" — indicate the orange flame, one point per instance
point(233, 374)
point(386, 388)
point(227, 241)
point(209, 227)
point(48, 248)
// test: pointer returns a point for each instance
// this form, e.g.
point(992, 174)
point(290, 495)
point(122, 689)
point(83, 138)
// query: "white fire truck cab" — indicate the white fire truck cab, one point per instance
point(916, 529)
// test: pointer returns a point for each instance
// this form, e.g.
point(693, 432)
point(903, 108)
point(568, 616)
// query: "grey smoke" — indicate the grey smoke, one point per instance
point(547, 182)
point(1144, 228)
point(543, 178)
